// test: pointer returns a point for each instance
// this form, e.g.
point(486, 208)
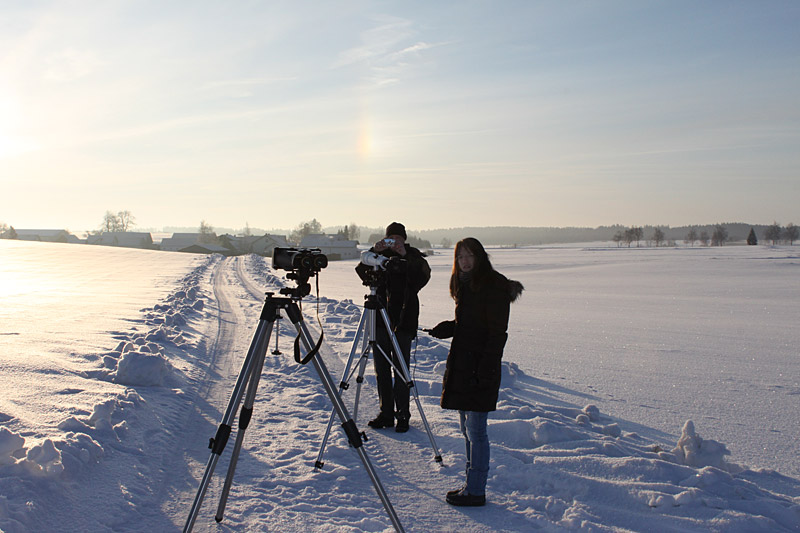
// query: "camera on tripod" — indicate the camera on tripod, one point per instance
point(308, 259)
point(373, 267)
point(302, 263)
point(394, 265)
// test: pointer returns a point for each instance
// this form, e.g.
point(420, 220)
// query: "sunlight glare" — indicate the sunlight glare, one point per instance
point(364, 142)
point(14, 146)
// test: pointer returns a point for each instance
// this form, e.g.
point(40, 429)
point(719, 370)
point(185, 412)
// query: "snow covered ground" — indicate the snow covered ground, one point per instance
point(643, 390)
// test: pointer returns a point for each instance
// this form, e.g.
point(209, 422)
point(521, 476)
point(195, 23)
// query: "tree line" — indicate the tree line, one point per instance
point(708, 235)
point(774, 233)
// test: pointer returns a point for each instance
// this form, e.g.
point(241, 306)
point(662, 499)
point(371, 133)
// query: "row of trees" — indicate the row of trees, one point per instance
point(629, 236)
point(718, 237)
point(350, 232)
point(124, 221)
point(776, 233)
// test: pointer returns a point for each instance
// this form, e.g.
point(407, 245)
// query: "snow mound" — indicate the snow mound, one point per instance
point(693, 450)
point(143, 368)
point(10, 443)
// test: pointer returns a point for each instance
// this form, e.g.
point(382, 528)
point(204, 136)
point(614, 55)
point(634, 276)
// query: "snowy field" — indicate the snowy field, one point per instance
point(644, 390)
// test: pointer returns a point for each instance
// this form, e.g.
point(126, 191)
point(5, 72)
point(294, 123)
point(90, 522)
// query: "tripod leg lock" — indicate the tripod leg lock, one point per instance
point(353, 436)
point(217, 444)
point(244, 417)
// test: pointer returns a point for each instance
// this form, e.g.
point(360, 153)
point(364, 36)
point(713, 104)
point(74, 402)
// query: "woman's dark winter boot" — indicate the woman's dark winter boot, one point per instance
point(464, 499)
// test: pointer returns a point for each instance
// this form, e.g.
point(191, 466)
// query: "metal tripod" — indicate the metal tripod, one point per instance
point(248, 380)
point(366, 333)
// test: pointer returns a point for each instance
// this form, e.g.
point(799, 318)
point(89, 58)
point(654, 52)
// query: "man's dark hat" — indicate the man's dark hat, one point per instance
point(396, 228)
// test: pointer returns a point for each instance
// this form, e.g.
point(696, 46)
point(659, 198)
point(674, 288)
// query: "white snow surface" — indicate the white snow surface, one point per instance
point(643, 390)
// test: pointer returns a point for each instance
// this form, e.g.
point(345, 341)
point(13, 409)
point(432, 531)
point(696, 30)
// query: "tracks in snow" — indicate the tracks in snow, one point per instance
point(275, 480)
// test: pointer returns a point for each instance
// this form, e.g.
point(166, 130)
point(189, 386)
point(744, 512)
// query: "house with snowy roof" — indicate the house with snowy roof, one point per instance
point(179, 241)
point(334, 246)
point(253, 244)
point(196, 243)
point(123, 239)
point(205, 248)
point(42, 235)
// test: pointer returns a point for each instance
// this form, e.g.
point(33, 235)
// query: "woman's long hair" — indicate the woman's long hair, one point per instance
point(480, 272)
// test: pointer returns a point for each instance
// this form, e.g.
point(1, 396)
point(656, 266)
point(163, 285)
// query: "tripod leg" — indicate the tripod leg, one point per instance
point(244, 421)
point(411, 387)
point(359, 381)
point(217, 444)
point(342, 385)
point(347, 423)
point(367, 346)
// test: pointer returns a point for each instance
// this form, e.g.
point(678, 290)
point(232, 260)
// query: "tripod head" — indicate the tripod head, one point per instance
point(381, 265)
point(303, 288)
point(302, 264)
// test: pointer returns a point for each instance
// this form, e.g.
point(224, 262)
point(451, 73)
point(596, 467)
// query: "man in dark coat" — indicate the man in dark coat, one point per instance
point(397, 291)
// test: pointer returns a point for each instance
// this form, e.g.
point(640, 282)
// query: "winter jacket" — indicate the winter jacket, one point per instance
point(398, 289)
point(472, 375)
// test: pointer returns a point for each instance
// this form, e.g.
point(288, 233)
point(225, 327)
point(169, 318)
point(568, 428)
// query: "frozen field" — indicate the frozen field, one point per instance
point(117, 365)
point(654, 336)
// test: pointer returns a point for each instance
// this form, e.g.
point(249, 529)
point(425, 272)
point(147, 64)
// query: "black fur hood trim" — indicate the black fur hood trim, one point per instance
point(515, 289)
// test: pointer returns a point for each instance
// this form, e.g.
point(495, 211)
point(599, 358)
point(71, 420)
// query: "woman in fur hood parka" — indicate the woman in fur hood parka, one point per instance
point(471, 385)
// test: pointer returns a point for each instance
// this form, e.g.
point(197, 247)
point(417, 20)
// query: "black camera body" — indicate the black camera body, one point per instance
point(302, 264)
point(396, 265)
point(304, 259)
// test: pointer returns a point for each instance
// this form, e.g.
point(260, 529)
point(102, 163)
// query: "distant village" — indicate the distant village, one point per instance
point(336, 247)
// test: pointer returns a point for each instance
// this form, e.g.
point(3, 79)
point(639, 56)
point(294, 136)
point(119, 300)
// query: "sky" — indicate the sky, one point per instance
point(436, 114)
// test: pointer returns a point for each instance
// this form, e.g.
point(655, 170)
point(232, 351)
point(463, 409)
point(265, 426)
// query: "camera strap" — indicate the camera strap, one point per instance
point(315, 350)
point(310, 354)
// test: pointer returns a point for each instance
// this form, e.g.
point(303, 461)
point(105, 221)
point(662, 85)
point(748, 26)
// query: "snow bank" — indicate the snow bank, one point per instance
point(140, 359)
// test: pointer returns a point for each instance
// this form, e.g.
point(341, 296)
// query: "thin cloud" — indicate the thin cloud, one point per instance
point(70, 65)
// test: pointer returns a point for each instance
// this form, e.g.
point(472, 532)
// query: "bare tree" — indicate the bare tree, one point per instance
point(304, 229)
point(353, 231)
point(638, 234)
point(704, 238)
point(691, 237)
point(773, 233)
point(126, 220)
point(629, 236)
point(207, 234)
point(618, 238)
point(122, 221)
point(791, 233)
point(658, 237)
point(719, 236)
point(110, 223)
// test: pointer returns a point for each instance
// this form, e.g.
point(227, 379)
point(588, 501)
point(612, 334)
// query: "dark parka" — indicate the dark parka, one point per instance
point(472, 376)
point(399, 287)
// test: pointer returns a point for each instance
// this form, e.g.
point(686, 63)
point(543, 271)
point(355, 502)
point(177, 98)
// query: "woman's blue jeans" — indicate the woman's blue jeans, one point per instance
point(474, 426)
